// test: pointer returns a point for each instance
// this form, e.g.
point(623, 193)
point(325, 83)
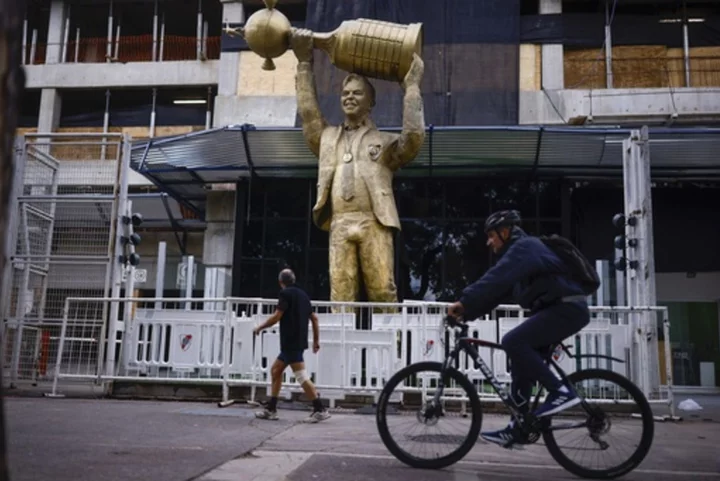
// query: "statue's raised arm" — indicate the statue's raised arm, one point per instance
point(313, 122)
point(407, 145)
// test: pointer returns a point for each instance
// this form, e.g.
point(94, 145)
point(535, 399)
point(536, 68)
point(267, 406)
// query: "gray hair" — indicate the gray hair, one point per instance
point(287, 277)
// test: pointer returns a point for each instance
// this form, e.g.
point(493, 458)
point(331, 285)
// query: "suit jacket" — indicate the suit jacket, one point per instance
point(380, 155)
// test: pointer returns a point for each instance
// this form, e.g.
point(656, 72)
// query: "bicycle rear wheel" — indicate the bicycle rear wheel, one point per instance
point(419, 381)
point(592, 419)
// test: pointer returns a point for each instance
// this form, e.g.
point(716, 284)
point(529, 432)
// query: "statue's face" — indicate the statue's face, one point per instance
point(354, 98)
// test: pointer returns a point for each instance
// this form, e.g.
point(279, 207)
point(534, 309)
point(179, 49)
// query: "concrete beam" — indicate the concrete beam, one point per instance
point(616, 105)
point(122, 75)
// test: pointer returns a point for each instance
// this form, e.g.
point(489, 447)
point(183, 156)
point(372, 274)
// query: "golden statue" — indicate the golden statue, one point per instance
point(355, 201)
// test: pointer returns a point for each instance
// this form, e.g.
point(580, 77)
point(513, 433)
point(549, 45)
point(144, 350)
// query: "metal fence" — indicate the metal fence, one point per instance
point(68, 189)
point(211, 341)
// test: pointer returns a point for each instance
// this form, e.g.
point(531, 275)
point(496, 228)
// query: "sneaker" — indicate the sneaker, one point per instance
point(317, 416)
point(267, 414)
point(503, 437)
point(556, 402)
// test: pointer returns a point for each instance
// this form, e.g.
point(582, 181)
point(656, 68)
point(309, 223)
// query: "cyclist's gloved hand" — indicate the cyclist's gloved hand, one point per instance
point(456, 309)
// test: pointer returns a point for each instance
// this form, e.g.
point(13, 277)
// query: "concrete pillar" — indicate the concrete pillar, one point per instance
point(229, 70)
point(56, 32)
point(50, 107)
point(219, 242)
point(553, 71)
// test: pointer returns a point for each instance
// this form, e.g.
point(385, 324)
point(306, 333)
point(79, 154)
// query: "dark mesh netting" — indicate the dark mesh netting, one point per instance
point(471, 55)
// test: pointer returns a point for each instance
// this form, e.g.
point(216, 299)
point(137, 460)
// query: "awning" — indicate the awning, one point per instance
point(184, 165)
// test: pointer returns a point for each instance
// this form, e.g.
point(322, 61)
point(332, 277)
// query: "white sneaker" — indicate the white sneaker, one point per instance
point(317, 416)
point(266, 414)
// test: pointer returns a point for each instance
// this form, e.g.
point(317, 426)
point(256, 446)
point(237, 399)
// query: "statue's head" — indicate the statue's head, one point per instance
point(357, 96)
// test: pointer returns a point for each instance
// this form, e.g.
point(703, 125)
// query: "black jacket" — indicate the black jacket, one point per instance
point(528, 271)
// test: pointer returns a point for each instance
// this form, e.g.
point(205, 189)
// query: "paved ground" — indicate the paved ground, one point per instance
point(84, 439)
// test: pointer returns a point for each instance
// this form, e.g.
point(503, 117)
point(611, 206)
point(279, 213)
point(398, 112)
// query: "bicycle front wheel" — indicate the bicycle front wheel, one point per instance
point(615, 420)
point(429, 427)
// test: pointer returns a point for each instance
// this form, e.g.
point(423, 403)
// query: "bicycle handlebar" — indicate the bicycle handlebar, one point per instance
point(454, 322)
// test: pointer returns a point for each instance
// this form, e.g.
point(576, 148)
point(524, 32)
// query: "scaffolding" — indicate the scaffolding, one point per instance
point(68, 189)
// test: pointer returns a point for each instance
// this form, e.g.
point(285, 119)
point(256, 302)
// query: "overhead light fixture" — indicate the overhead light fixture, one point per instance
point(190, 101)
point(679, 20)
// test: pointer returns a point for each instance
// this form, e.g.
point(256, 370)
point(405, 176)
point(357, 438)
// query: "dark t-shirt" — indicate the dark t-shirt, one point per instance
point(296, 307)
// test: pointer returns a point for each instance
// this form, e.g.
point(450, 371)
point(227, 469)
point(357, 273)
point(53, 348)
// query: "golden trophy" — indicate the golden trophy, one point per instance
point(373, 48)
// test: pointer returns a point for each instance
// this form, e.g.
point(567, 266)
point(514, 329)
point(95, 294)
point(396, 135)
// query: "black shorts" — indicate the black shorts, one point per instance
point(291, 357)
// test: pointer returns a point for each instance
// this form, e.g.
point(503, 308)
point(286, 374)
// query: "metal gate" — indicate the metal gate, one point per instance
point(61, 243)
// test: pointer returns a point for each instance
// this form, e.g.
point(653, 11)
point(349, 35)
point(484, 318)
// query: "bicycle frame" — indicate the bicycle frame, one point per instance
point(464, 343)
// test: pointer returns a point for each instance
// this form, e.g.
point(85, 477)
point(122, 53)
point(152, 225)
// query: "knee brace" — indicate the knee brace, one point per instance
point(301, 376)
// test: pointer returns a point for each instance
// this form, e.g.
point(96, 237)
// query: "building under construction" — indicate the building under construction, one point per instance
point(527, 105)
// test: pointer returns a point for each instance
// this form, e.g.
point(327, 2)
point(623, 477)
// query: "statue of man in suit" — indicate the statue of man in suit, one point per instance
point(355, 201)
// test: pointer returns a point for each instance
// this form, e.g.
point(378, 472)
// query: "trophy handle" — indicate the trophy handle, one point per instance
point(321, 41)
point(325, 42)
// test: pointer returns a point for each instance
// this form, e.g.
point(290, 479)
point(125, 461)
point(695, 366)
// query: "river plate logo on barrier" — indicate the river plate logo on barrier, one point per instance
point(185, 341)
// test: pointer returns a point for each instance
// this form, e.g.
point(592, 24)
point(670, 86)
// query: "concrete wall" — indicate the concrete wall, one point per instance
point(260, 97)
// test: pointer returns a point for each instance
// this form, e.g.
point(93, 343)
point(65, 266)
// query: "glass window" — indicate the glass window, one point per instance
point(252, 239)
point(317, 282)
point(256, 199)
point(513, 194)
point(287, 198)
point(466, 257)
point(285, 244)
point(467, 199)
point(319, 239)
point(249, 278)
point(418, 198)
point(419, 249)
point(549, 198)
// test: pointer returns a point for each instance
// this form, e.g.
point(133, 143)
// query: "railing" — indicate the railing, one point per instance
point(132, 48)
point(210, 341)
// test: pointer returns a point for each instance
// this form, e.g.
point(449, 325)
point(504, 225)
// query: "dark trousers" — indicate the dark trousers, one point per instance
point(524, 344)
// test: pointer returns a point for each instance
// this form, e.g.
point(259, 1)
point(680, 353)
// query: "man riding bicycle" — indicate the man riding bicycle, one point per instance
point(540, 281)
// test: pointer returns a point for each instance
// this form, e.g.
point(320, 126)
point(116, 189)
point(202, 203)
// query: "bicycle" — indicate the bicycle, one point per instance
point(529, 428)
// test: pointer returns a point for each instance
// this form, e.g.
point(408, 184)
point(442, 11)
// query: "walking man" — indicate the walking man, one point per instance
point(293, 312)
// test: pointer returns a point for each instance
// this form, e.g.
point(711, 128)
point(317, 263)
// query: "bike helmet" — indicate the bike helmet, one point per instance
point(503, 218)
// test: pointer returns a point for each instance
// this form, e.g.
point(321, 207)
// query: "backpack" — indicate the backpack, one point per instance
point(581, 271)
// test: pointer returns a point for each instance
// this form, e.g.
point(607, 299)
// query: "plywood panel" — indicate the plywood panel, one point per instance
point(85, 148)
point(584, 69)
point(647, 66)
point(643, 66)
point(676, 68)
point(25, 130)
point(530, 67)
point(254, 81)
point(705, 67)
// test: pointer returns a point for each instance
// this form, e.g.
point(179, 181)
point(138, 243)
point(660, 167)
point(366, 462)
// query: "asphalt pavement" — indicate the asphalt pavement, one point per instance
point(86, 439)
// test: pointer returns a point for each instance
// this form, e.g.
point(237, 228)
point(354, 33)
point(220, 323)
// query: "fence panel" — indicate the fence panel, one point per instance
point(184, 342)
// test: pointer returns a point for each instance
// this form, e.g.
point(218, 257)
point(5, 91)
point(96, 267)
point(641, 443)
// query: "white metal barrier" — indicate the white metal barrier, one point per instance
point(174, 344)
